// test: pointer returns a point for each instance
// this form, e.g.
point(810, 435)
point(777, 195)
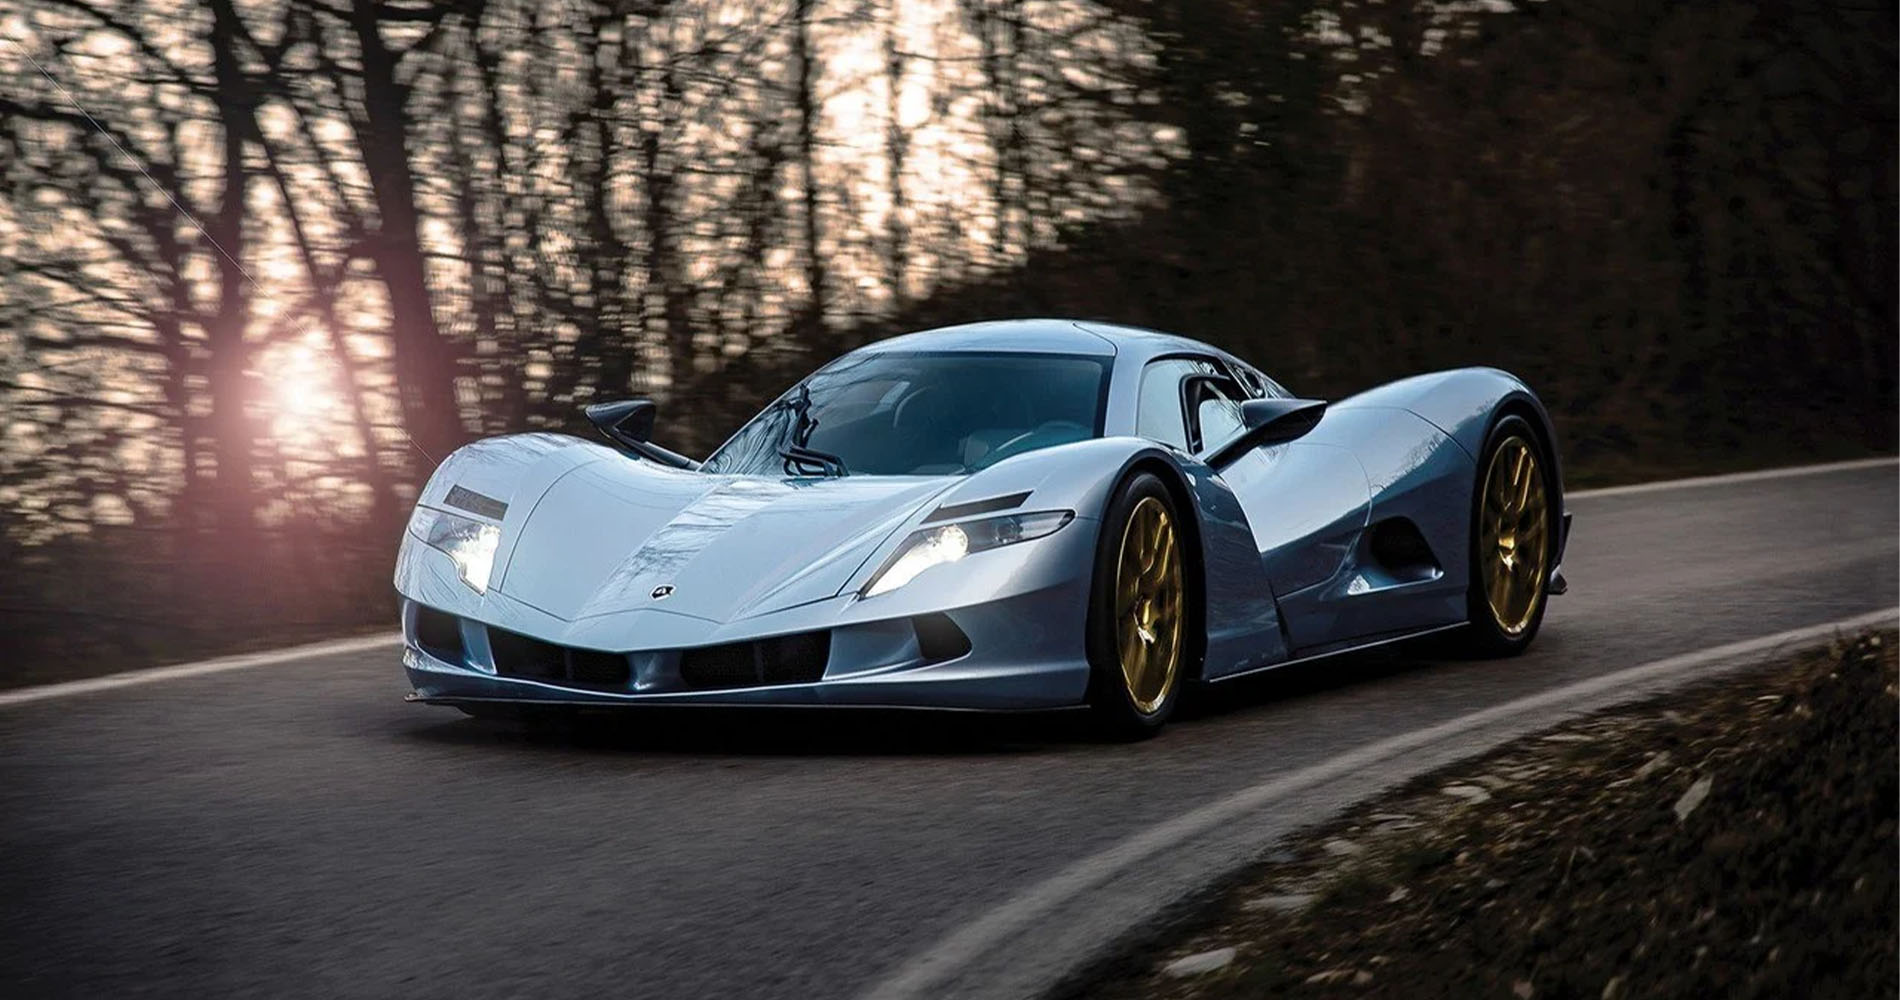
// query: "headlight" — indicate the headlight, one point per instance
point(929, 547)
point(470, 544)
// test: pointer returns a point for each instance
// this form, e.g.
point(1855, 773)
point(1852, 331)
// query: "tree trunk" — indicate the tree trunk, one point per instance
point(233, 435)
point(805, 104)
point(424, 360)
point(896, 152)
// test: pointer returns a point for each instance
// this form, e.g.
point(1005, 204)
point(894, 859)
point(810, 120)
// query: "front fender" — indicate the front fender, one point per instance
point(1241, 618)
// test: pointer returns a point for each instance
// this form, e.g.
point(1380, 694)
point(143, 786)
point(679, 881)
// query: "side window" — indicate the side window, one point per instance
point(1257, 385)
point(1216, 413)
point(1189, 403)
point(1159, 415)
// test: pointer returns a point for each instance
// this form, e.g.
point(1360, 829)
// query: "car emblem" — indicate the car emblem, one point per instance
point(663, 591)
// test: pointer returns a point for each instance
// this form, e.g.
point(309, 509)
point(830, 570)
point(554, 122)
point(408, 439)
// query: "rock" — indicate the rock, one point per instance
point(1329, 976)
point(1655, 763)
point(1568, 738)
point(1398, 894)
point(1613, 989)
point(1522, 989)
point(1470, 793)
point(1286, 902)
point(1195, 965)
point(1693, 797)
point(1492, 781)
point(1342, 848)
point(1361, 978)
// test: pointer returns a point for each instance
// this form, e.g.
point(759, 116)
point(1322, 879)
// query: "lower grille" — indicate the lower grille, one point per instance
point(531, 659)
point(586, 666)
point(784, 659)
point(439, 634)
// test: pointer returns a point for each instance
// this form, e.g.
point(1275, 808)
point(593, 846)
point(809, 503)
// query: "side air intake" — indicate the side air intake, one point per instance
point(1399, 547)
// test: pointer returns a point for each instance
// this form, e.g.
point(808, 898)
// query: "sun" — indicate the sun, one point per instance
point(302, 394)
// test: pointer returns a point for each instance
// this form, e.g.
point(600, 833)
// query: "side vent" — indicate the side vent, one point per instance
point(1397, 545)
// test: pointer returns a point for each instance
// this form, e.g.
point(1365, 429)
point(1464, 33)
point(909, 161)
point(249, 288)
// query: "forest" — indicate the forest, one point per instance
point(263, 262)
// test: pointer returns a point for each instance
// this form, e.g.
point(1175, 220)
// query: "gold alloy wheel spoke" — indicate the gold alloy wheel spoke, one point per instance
point(1514, 526)
point(1148, 591)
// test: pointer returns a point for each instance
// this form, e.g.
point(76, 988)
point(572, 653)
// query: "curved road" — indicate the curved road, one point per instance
point(296, 830)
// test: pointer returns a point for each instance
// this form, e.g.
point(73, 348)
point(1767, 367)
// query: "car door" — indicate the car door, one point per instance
point(1243, 622)
point(1306, 503)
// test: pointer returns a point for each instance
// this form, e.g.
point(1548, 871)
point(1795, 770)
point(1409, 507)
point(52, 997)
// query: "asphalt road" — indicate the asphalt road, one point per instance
point(296, 830)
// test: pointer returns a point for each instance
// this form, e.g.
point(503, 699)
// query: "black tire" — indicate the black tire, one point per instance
point(1486, 634)
point(1114, 707)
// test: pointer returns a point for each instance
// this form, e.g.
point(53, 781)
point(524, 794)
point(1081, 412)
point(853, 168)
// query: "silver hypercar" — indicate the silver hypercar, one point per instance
point(1033, 514)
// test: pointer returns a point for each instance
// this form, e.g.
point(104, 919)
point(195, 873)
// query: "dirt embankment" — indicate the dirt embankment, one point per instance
point(1731, 841)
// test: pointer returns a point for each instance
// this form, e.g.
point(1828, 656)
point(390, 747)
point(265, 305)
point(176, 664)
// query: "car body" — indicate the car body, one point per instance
point(612, 578)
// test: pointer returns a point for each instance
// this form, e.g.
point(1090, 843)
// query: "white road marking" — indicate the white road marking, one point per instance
point(243, 661)
point(1786, 472)
point(924, 975)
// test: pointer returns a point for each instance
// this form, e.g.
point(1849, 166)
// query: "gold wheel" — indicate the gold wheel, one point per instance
point(1148, 599)
point(1513, 540)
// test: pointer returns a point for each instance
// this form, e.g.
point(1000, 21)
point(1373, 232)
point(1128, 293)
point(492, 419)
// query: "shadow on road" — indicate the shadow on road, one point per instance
point(882, 732)
point(1283, 684)
point(769, 732)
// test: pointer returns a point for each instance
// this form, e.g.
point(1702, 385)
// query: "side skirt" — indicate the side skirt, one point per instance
point(1356, 647)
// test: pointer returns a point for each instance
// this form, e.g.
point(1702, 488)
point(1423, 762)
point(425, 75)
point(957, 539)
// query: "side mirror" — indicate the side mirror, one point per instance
point(626, 421)
point(629, 424)
point(1267, 422)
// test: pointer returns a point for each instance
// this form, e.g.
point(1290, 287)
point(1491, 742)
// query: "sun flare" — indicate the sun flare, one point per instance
point(302, 390)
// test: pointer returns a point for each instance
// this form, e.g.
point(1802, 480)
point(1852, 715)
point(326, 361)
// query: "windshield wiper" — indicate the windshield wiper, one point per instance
point(800, 458)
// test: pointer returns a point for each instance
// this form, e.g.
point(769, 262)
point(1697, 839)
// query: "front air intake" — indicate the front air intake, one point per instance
point(785, 659)
point(939, 638)
point(439, 634)
point(531, 659)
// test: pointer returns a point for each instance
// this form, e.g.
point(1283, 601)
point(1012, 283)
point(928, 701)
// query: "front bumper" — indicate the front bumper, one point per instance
point(1024, 652)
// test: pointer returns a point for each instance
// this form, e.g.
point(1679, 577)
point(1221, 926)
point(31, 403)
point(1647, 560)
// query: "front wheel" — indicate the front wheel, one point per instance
point(1513, 542)
point(1138, 612)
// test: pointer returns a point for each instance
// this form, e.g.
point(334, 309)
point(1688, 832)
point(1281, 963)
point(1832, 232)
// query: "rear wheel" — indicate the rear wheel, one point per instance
point(1138, 612)
point(1513, 542)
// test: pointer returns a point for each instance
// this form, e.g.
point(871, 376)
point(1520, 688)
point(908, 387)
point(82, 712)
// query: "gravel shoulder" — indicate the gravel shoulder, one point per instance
point(1736, 839)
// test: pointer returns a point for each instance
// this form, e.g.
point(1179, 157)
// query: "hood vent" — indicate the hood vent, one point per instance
point(475, 503)
point(990, 506)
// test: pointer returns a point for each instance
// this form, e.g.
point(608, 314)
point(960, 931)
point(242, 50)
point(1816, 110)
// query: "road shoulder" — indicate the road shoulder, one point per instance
point(1729, 839)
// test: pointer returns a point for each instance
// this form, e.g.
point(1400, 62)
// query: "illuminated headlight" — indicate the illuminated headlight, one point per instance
point(469, 543)
point(929, 547)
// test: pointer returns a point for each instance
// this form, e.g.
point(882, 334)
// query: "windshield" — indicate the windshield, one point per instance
point(890, 414)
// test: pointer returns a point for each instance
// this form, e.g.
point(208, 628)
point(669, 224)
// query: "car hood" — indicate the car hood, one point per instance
point(610, 535)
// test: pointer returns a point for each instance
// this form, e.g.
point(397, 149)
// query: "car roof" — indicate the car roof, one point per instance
point(1045, 336)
